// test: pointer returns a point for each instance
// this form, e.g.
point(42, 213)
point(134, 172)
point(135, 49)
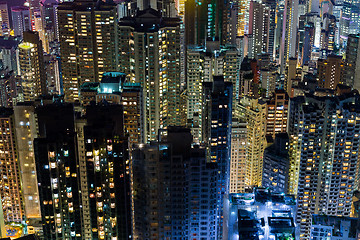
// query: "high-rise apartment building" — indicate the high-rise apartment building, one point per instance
point(259, 24)
point(10, 90)
point(202, 64)
point(330, 71)
point(10, 190)
point(159, 183)
point(107, 173)
point(238, 156)
point(277, 113)
point(26, 132)
point(276, 164)
point(83, 171)
point(31, 65)
point(57, 172)
point(289, 31)
point(216, 129)
point(290, 75)
point(162, 171)
point(324, 142)
point(87, 36)
point(253, 112)
point(149, 47)
point(352, 59)
point(113, 89)
point(207, 20)
point(132, 101)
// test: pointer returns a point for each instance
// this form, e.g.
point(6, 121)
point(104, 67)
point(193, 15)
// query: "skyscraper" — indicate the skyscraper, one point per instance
point(238, 156)
point(352, 67)
point(202, 64)
point(26, 132)
point(159, 183)
point(149, 47)
point(10, 190)
point(32, 68)
point(330, 71)
point(107, 172)
point(88, 48)
point(324, 139)
point(259, 23)
point(277, 113)
point(20, 20)
point(253, 112)
point(276, 164)
point(216, 129)
point(57, 168)
point(4, 20)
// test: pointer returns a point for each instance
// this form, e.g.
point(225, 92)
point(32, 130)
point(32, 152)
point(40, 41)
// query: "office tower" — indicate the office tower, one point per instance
point(259, 23)
point(57, 168)
point(149, 47)
point(10, 190)
point(330, 71)
point(4, 20)
point(107, 173)
point(202, 64)
point(216, 130)
point(277, 113)
point(253, 112)
point(87, 35)
point(352, 58)
point(26, 132)
point(31, 66)
point(20, 20)
point(276, 164)
point(262, 214)
point(158, 186)
point(334, 227)
point(238, 156)
point(323, 154)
